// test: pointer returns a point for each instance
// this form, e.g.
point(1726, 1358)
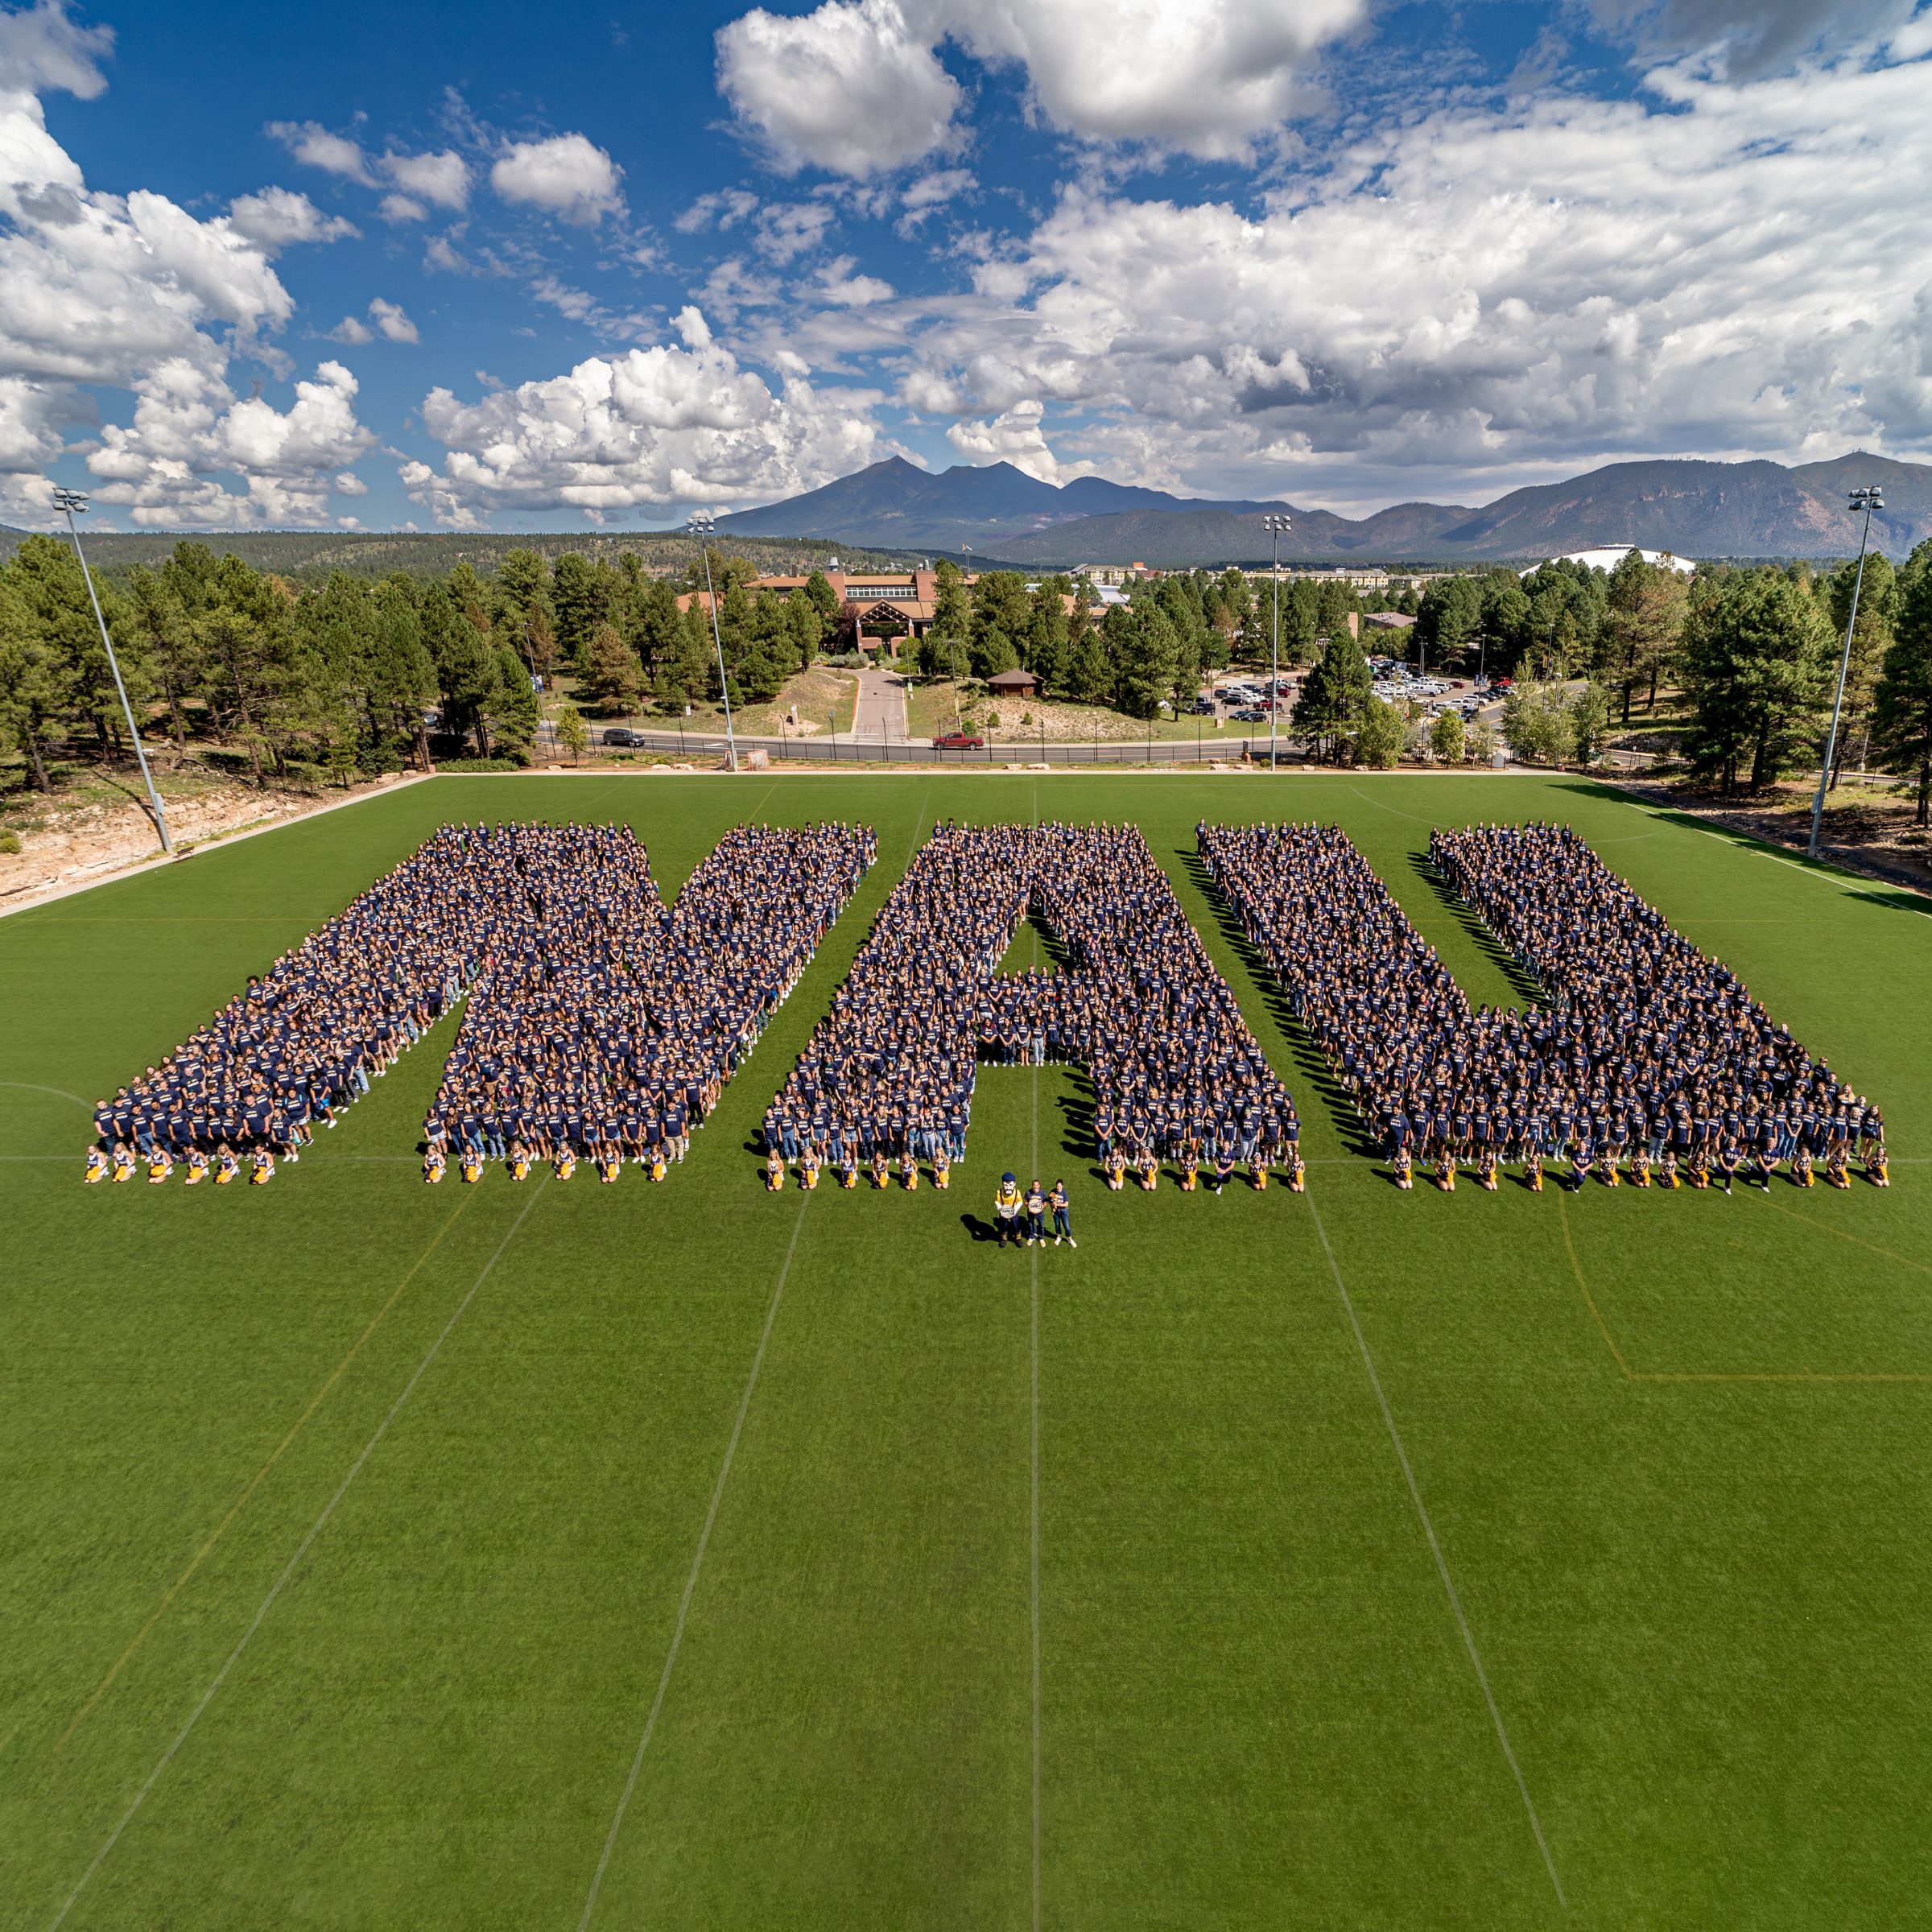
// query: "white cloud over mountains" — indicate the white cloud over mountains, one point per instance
point(1729, 267)
point(646, 429)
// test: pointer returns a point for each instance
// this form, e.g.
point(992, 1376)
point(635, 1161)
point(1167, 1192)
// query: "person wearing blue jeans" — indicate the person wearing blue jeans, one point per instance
point(1063, 1228)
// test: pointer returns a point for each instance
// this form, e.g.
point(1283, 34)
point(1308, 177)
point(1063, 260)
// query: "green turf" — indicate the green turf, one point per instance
point(1686, 1527)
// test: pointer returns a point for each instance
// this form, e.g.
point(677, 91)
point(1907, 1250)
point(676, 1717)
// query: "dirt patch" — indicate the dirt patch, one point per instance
point(73, 839)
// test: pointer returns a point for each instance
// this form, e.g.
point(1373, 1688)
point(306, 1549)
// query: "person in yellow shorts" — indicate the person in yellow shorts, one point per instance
point(433, 1166)
point(197, 1166)
point(941, 1167)
point(98, 1166)
point(774, 1171)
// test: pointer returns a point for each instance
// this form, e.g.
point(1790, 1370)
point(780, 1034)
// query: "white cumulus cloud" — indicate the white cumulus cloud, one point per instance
point(132, 292)
point(647, 429)
point(850, 88)
point(1721, 268)
point(189, 430)
point(277, 217)
point(568, 174)
point(857, 86)
point(391, 323)
point(1016, 436)
point(442, 179)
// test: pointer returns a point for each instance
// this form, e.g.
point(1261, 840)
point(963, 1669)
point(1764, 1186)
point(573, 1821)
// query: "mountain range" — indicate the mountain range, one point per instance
point(1693, 508)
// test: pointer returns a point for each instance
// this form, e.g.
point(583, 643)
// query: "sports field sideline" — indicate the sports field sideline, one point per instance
point(377, 1555)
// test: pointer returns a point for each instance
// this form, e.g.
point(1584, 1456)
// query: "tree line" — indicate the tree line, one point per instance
point(352, 676)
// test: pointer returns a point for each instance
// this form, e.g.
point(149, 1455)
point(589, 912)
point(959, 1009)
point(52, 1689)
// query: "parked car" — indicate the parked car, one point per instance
point(622, 738)
point(1249, 714)
point(1201, 708)
point(1500, 684)
point(958, 740)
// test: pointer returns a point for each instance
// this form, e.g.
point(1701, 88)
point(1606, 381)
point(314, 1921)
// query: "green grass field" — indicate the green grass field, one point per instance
point(379, 1556)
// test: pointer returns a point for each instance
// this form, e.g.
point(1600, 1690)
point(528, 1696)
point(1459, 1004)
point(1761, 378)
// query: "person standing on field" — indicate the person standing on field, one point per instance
point(1062, 1226)
point(1006, 1210)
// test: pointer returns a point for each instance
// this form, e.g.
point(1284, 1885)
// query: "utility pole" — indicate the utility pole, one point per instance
point(1275, 525)
point(701, 527)
point(74, 503)
point(1869, 498)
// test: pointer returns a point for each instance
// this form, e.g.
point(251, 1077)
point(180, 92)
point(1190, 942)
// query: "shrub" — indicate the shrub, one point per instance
point(10, 841)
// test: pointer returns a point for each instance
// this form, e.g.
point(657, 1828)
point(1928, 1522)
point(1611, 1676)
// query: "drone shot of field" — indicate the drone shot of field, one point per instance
point(693, 1555)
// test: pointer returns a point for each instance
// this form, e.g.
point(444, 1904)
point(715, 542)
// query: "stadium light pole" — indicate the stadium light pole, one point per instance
point(1867, 498)
point(1274, 525)
point(702, 526)
point(73, 503)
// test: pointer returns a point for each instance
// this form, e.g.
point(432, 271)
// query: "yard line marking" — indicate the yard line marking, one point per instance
point(301, 1550)
point(30, 1086)
point(1442, 1566)
point(1034, 1474)
point(315, 1402)
point(697, 1564)
point(1737, 1375)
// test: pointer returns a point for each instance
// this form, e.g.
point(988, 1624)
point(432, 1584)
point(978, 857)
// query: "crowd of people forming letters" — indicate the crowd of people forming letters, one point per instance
point(1642, 1059)
point(886, 1083)
point(601, 1024)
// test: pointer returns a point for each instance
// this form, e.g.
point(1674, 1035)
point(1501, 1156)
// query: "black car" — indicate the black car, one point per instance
point(1249, 715)
point(622, 737)
point(1201, 708)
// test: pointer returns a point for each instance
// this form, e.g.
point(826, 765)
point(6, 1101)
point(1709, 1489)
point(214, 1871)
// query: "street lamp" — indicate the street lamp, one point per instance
point(1275, 525)
point(701, 526)
point(1868, 498)
point(74, 503)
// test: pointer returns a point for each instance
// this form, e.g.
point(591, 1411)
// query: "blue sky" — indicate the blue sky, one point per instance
point(536, 268)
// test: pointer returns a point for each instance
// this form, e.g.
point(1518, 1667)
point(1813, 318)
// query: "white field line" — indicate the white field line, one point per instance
point(1441, 1566)
point(1033, 1503)
point(301, 1550)
point(697, 1566)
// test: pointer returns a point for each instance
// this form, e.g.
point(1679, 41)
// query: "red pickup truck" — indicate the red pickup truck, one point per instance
point(958, 740)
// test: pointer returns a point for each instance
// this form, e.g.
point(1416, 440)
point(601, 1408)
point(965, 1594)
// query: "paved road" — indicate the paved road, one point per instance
point(880, 717)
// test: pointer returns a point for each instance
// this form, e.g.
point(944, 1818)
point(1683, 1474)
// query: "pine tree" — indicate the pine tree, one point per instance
point(1147, 658)
point(402, 679)
point(513, 713)
point(1901, 717)
point(685, 672)
point(1757, 667)
point(1089, 670)
point(1335, 695)
point(610, 676)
